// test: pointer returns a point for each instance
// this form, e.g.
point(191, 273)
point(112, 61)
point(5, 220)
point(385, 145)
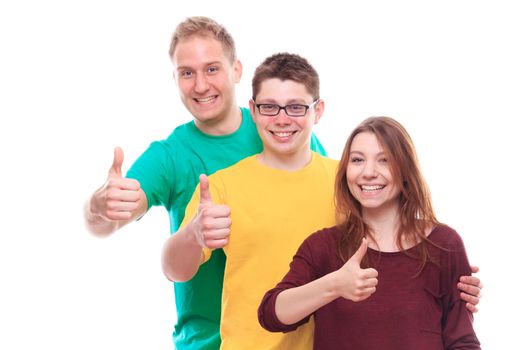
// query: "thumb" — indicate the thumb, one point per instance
point(360, 253)
point(204, 185)
point(118, 159)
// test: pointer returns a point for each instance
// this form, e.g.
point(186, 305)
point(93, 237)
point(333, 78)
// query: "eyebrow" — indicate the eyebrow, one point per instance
point(218, 63)
point(382, 153)
point(289, 102)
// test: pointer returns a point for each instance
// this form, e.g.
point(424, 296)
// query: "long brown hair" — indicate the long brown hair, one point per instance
point(416, 212)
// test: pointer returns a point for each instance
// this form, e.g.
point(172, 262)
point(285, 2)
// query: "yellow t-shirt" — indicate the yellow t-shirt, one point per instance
point(272, 212)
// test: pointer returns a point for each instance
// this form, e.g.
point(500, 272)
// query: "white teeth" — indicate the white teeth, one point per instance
point(282, 134)
point(204, 100)
point(371, 188)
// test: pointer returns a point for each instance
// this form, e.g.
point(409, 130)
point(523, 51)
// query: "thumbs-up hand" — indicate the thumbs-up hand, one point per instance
point(118, 198)
point(353, 282)
point(211, 225)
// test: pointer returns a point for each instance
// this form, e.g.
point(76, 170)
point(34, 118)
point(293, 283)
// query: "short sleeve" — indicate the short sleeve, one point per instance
point(154, 171)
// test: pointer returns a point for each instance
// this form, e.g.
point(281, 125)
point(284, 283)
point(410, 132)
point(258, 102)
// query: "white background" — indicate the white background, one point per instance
point(78, 78)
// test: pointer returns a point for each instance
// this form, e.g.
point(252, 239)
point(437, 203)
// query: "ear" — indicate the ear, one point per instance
point(252, 109)
point(237, 71)
point(319, 110)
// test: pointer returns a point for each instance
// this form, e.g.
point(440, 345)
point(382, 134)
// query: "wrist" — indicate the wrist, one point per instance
point(95, 222)
point(190, 233)
point(333, 285)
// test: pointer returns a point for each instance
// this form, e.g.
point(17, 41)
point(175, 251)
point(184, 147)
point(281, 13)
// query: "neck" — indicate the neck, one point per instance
point(384, 224)
point(289, 162)
point(222, 126)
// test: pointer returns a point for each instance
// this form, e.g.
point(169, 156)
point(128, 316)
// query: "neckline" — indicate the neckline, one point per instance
point(375, 251)
point(279, 172)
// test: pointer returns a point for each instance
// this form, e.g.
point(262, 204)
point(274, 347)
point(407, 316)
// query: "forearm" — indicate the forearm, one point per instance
point(181, 256)
point(294, 304)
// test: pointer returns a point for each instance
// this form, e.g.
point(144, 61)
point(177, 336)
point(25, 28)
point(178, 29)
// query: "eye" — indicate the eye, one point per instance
point(383, 160)
point(268, 108)
point(185, 74)
point(213, 70)
point(356, 160)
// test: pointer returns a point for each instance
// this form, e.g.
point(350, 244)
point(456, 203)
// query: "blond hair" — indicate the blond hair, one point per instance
point(203, 26)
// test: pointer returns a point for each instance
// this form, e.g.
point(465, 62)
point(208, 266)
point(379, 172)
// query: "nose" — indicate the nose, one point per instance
point(370, 170)
point(282, 118)
point(201, 83)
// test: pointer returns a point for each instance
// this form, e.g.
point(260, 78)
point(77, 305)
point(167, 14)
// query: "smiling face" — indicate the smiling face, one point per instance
point(284, 136)
point(206, 78)
point(369, 175)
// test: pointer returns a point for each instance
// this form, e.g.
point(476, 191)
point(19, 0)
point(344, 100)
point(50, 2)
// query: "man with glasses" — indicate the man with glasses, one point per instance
point(269, 202)
point(262, 208)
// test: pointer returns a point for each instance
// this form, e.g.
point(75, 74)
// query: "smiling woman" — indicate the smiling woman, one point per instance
point(412, 262)
point(368, 173)
point(380, 155)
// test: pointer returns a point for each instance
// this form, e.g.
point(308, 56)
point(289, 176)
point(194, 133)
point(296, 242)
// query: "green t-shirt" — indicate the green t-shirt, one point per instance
point(168, 172)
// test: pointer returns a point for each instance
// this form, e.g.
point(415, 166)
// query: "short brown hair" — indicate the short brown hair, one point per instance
point(287, 66)
point(203, 26)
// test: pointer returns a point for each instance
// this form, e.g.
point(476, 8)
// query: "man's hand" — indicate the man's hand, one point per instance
point(471, 290)
point(211, 225)
point(117, 202)
point(355, 283)
point(118, 198)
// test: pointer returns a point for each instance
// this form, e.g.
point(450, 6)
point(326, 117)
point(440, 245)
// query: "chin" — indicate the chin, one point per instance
point(365, 204)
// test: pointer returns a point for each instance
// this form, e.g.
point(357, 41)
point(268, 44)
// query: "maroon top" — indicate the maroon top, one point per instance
point(404, 313)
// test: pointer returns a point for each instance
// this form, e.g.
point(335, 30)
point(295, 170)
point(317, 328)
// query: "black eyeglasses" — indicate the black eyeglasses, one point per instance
point(291, 110)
